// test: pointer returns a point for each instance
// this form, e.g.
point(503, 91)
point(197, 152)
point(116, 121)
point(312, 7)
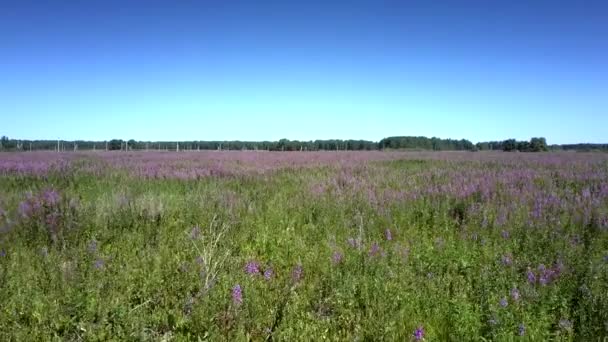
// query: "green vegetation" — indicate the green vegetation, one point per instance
point(461, 250)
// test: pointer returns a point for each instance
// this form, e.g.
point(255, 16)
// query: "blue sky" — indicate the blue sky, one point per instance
point(265, 70)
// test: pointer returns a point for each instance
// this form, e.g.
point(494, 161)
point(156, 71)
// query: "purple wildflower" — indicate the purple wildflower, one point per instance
point(99, 263)
point(337, 257)
point(419, 333)
point(388, 234)
point(25, 209)
point(237, 294)
point(195, 233)
point(252, 268)
point(522, 329)
point(51, 197)
point(515, 295)
point(505, 234)
point(606, 258)
point(504, 302)
point(2, 253)
point(374, 249)
point(507, 259)
point(268, 273)
point(543, 279)
point(297, 273)
point(531, 276)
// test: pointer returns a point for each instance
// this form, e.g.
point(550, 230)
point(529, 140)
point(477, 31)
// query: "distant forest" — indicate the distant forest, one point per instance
point(390, 143)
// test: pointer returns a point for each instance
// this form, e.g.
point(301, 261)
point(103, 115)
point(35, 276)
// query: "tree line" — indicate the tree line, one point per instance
point(537, 144)
point(509, 145)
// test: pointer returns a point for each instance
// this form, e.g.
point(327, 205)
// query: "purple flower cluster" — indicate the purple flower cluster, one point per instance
point(237, 294)
point(268, 273)
point(544, 275)
point(521, 329)
point(252, 268)
point(99, 263)
point(297, 273)
point(507, 259)
point(374, 249)
point(337, 258)
point(419, 333)
point(515, 295)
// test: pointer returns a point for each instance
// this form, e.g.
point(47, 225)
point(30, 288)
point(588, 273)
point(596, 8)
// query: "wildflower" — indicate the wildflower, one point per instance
point(252, 268)
point(99, 263)
point(337, 257)
point(51, 197)
point(544, 279)
point(25, 209)
point(505, 234)
point(237, 295)
point(507, 260)
point(268, 273)
point(531, 276)
point(419, 333)
point(515, 294)
point(374, 249)
point(44, 251)
point(522, 329)
point(297, 273)
point(2, 253)
point(388, 234)
point(503, 302)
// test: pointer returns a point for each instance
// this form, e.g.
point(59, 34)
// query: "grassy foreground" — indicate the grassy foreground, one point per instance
point(413, 249)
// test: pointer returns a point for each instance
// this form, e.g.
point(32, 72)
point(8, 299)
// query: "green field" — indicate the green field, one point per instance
point(452, 246)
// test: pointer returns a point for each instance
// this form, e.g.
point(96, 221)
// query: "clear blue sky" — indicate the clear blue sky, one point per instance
point(265, 70)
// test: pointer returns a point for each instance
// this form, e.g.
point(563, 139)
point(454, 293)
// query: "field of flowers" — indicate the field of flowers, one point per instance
point(228, 245)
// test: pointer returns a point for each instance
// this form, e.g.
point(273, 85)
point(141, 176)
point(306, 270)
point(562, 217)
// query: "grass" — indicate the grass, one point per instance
point(121, 261)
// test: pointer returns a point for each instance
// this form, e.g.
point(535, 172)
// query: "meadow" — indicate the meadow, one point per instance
point(237, 245)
